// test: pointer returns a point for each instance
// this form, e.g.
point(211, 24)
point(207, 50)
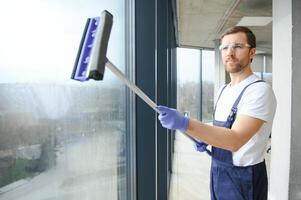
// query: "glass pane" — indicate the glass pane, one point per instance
point(188, 81)
point(207, 85)
point(60, 139)
point(191, 169)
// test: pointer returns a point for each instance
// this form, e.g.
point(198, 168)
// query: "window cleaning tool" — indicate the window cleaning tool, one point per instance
point(91, 58)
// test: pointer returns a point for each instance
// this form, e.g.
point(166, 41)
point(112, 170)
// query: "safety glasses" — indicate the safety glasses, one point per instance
point(234, 46)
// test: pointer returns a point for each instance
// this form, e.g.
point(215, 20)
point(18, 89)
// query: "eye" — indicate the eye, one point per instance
point(224, 47)
point(237, 46)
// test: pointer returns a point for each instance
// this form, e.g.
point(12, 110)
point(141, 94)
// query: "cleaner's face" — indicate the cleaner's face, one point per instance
point(236, 52)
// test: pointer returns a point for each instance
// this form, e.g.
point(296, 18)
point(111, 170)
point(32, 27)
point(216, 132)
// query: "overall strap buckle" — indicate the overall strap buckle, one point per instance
point(233, 112)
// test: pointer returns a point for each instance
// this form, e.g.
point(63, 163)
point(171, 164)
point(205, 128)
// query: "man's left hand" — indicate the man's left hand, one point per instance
point(171, 119)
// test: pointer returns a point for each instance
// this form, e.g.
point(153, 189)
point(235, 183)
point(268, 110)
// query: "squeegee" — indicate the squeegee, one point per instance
point(91, 59)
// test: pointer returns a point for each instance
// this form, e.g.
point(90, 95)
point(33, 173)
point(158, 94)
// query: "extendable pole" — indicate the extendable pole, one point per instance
point(136, 90)
point(131, 85)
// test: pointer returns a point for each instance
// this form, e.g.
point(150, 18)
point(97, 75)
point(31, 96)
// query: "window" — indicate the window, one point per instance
point(60, 139)
point(207, 85)
point(195, 80)
point(188, 81)
point(195, 76)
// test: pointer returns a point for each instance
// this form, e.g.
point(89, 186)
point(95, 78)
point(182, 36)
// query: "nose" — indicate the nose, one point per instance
point(230, 51)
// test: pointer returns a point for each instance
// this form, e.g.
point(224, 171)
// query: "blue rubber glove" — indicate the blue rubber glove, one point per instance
point(171, 119)
point(200, 146)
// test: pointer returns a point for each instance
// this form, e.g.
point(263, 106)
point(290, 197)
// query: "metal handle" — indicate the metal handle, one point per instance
point(131, 85)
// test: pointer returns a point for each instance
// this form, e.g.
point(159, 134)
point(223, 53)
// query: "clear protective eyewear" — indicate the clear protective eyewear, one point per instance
point(234, 46)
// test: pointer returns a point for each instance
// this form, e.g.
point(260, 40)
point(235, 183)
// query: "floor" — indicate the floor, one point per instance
point(190, 178)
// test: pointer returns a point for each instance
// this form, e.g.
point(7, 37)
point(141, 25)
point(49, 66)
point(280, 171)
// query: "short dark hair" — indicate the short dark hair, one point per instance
point(237, 29)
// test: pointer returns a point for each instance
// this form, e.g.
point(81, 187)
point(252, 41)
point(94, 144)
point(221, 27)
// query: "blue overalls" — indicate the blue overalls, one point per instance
point(229, 182)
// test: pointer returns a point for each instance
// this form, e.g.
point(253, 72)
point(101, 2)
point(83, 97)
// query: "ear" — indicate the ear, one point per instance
point(252, 52)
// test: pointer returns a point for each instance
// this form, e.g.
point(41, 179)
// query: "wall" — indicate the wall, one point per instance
point(282, 78)
point(295, 167)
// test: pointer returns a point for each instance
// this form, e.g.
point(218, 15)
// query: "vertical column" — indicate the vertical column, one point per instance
point(295, 169)
point(155, 75)
point(200, 108)
point(131, 181)
point(282, 85)
point(145, 76)
point(166, 87)
point(162, 94)
point(220, 73)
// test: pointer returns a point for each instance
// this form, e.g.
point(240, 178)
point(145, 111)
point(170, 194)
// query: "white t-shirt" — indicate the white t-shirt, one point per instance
point(258, 101)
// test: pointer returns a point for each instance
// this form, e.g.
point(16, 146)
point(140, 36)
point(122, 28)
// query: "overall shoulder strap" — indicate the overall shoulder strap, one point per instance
point(231, 117)
point(242, 92)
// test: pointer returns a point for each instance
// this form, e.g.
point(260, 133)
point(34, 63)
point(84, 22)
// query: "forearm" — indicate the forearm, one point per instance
point(243, 128)
point(216, 136)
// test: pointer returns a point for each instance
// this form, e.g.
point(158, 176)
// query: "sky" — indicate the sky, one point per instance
point(40, 38)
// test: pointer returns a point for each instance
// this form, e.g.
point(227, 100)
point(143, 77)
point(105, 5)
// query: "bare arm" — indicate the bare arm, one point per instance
point(243, 128)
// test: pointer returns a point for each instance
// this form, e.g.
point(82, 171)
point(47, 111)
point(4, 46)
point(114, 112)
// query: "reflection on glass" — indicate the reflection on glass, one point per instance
point(59, 139)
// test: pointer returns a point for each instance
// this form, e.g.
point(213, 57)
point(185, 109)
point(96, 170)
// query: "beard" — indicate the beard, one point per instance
point(236, 67)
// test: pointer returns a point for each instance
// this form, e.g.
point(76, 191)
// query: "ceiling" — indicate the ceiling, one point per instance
point(200, 22)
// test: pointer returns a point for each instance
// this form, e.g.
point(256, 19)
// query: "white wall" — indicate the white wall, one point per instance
point(282, 78)
point(295, 155)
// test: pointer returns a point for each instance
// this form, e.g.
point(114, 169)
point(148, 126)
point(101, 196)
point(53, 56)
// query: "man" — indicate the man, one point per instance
point(243, 117)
